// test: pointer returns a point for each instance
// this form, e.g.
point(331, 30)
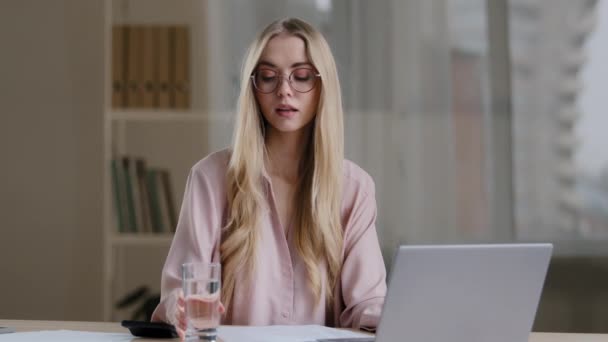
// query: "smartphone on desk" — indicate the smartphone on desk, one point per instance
point(150, 329)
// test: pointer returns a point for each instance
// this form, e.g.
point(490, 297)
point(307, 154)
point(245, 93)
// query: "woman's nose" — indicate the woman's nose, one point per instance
point(284, 87)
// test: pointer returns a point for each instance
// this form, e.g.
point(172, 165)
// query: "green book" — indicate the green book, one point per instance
point(154, 205)
point(130, 198)
point(119, 200)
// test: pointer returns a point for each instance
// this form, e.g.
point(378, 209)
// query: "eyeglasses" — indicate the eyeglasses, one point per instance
point(301, 80)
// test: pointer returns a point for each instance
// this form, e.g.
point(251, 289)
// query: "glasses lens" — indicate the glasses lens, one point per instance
point(265, 80)
point(303, 80)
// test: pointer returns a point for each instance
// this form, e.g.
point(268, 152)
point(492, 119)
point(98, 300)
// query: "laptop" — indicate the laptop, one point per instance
point(463, 293)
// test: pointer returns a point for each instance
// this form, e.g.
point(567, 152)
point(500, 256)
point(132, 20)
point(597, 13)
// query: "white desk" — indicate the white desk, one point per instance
point(21, 325)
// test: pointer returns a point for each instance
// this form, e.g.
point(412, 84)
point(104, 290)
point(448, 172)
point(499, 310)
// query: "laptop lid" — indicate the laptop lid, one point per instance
point(464, 293)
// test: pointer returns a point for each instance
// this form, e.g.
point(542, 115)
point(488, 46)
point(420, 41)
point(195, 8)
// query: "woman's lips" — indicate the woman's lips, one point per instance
point(286, 112)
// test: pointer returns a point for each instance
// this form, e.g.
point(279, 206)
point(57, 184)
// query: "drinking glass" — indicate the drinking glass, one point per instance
point(201, 284)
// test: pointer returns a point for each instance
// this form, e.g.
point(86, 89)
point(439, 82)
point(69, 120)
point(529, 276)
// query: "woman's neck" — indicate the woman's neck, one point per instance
point(285, 152)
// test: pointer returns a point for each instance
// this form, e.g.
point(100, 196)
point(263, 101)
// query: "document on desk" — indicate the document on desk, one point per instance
point(65, 336)
point(283, 333)
point(275, 333)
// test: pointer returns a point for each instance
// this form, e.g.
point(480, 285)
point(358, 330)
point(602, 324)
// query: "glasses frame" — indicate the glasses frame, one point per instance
point(289, 80)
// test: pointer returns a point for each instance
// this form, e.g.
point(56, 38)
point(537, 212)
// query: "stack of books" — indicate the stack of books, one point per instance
point(143, 197)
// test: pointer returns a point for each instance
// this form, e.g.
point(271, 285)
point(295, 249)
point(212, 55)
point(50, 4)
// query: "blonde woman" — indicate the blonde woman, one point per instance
point(291, 221)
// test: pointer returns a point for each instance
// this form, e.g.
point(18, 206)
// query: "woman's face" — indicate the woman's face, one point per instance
point(285, 108)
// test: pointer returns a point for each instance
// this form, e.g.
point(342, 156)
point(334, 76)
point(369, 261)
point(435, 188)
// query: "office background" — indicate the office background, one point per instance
point(480, 121)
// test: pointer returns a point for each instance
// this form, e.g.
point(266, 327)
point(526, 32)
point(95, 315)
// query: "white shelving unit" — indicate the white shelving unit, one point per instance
point(161, 115)
point(140, 239)
point(171, 139)
point(116, 243)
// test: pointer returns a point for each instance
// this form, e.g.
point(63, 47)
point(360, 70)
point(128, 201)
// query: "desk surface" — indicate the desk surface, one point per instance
point(21, 326)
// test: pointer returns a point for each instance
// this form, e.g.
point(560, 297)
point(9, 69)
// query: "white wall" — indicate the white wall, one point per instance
point(51, 143)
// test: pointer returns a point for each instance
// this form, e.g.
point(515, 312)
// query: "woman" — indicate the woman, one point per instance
point(291, 221)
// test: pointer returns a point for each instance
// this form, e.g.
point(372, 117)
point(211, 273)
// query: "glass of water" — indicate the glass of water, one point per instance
point(201, 283)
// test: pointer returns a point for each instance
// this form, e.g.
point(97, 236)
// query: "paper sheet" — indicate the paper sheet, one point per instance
point(275, 333)
point(65, 336)
point(282, 333)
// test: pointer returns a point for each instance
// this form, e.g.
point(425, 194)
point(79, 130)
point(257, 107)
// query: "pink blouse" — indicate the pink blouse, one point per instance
point(278, 292)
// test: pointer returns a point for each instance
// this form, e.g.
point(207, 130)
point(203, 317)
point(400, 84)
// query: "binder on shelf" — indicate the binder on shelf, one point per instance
point(164, 58)
point(134, 67)
point(149, 65)
point(181, 67)
point(118, 66)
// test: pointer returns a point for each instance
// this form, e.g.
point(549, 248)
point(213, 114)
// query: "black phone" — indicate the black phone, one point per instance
point(150, 329)
point(6, 330)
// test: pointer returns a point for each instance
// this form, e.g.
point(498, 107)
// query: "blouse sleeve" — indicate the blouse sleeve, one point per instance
point(196, 237)
point(363, 271)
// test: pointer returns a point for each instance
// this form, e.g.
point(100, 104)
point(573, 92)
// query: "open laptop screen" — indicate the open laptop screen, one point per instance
point(464, 293)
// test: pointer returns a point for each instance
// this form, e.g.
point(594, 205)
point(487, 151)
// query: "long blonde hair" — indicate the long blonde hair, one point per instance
point(318, 230)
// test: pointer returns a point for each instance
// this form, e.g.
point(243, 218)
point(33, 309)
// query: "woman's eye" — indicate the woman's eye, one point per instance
point(268, 78)
point(302, 76)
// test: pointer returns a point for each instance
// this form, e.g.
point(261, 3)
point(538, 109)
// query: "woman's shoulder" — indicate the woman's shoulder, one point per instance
point(213, 165)
point(356, 179)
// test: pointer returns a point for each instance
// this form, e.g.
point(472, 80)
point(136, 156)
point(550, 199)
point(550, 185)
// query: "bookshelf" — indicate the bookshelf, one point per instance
point(171, 138)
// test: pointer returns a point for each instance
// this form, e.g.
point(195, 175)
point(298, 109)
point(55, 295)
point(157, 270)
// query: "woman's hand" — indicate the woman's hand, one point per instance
point(176, 313)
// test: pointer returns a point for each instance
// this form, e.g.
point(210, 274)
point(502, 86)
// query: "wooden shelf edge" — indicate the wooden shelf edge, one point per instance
point(167, 115)
point(138, 239)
